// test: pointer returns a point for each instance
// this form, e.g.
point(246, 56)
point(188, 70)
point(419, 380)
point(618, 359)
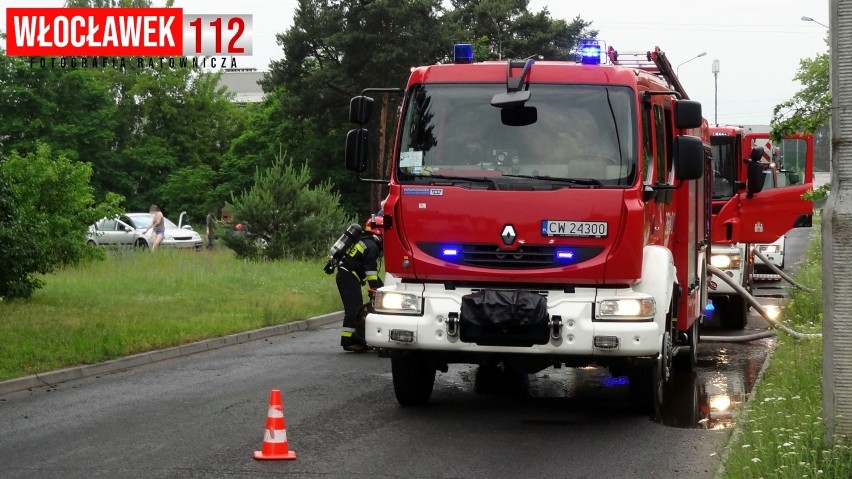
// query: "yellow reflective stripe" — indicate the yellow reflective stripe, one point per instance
point(346, 334)
point(357, 248)
point(372, 277)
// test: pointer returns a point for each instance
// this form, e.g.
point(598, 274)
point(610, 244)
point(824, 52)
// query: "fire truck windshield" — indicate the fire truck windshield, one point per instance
point(724, 152)
point(583, 135)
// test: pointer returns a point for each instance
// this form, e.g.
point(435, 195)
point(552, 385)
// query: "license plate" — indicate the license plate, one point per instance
point(582, 229)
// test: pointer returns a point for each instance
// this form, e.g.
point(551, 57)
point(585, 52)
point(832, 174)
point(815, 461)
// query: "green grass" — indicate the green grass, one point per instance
point(136, 301)
point(782, 435)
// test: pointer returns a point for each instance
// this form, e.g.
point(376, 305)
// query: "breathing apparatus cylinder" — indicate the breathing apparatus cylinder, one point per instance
point(341, 246)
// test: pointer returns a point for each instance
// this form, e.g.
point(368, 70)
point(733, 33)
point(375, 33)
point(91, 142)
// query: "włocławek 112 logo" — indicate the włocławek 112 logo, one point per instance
point(161, 32)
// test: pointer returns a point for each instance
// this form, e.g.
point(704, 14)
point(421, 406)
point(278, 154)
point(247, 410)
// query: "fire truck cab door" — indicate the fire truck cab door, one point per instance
point(766, 215)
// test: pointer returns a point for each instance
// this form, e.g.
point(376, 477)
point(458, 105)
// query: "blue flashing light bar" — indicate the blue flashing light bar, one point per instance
point(463, 53)
point(590, 52)
point(450, 252)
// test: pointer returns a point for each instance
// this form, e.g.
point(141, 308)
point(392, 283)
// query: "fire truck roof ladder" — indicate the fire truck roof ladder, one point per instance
point(654, 62)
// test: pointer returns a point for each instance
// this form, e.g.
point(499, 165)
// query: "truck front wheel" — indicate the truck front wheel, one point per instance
point(413, 379)
point(648, 379)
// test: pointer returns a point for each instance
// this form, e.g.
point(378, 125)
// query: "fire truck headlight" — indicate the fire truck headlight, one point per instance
point(725, 261)
point(627, 308)
point(394, 302)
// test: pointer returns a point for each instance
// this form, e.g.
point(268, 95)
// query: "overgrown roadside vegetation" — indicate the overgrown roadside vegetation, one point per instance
point(782, 431)
point(138, 301)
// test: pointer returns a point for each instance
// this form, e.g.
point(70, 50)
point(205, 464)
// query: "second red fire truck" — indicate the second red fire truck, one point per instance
point(757, 198)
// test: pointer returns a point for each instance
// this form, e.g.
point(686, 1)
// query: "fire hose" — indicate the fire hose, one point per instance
point(758, 307)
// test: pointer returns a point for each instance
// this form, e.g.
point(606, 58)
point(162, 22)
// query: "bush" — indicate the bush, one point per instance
point(284, 216)
point(46, 206)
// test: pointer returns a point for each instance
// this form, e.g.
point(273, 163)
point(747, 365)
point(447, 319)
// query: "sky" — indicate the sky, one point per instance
point(758, 43)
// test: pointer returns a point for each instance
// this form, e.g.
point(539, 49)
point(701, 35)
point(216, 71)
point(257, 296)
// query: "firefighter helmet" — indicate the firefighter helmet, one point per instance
point(373, 226)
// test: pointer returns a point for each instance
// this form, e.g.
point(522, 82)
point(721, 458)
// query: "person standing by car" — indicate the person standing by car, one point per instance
point(211, 227)
point(359, 266)
point(158, 225)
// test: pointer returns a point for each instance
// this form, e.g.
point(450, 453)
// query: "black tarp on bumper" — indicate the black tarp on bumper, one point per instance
point(504, 318)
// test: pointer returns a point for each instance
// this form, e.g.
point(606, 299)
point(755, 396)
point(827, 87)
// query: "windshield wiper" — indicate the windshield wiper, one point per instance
point(474, 179)
point(573, 181)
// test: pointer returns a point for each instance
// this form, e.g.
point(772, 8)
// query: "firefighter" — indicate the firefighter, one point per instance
point(359, 266)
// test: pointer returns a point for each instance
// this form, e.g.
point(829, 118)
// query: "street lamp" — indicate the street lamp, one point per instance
point(677, 70)
point(810, 19)
point(715, 69)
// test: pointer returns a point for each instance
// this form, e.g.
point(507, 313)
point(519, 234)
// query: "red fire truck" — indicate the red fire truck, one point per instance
point(757, 199)
point(542, 213)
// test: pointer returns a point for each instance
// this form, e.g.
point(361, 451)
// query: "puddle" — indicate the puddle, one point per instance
point(706, 398)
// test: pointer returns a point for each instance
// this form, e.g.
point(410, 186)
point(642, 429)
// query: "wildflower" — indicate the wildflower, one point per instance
point(746, 446)
point(787, 444)
point(755, 460)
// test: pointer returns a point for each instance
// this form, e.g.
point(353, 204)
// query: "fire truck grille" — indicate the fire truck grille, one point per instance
point(492, 256)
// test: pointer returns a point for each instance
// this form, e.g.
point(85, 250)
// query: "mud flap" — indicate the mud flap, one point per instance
point(504, 318)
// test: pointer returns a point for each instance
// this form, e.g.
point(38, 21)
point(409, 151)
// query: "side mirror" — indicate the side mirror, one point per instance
point(687, 114)
point(360, 109)
point(755, 178)
point(128, 229)
point(356, 150)
point(689, 157)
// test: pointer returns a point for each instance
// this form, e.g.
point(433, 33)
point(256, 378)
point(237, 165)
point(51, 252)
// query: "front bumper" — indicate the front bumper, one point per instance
point(437, 328)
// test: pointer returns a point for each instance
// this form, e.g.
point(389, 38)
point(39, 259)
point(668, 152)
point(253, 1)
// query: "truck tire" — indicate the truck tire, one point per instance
point(687, 360)
point(734, 313)
point(646, 386)
point(413, 379)
point(648, 380)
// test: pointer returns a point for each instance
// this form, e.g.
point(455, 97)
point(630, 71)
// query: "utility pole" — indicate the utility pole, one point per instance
point(715, 69)
point(837, 235)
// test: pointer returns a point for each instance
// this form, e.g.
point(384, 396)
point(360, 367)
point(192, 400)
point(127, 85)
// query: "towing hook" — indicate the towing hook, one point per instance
point(555, 324)
point(453, 324)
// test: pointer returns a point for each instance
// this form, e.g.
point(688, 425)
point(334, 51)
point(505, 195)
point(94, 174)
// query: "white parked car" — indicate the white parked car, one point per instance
point(129, 230)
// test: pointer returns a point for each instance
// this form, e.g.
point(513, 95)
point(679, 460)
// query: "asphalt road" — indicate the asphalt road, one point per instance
point(204, 415)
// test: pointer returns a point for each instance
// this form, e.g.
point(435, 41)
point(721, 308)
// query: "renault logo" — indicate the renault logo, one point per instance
point(508, 235)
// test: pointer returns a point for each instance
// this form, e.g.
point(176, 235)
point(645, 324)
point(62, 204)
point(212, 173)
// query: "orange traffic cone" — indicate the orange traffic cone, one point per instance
point(275, 436)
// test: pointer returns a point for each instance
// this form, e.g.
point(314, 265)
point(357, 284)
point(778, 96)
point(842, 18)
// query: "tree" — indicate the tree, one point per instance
point(46, 206)
point(140, 128)
point(284, 216)
point(810, 107)
point(503, 29)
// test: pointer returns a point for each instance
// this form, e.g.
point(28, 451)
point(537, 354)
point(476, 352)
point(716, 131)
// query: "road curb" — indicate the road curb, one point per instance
point(51, 378)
